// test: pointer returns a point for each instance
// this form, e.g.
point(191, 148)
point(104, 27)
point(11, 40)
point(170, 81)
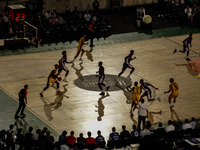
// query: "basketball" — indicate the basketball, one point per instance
point(59, 78)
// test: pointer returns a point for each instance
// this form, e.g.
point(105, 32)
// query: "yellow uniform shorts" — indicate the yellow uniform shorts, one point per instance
point(174, 95)
point(135, 98)
point(51, 80)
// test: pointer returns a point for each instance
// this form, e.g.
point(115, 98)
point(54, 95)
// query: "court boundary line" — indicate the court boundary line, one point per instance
point(180, 45)
point(33, 112)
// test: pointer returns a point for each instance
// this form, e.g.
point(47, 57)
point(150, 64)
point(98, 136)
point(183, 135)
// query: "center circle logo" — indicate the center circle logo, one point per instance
point(90, 82)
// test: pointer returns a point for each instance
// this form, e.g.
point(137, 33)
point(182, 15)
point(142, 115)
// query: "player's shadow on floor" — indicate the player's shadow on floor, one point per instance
point(177, 122)
point(151, 115)
point(134, 121)
point(190, 71)
point(173, 113)
point(78, 71)
point(89, 54)
point(48, 108)
point(128, 96)
point(59, 98)
point(101, 107)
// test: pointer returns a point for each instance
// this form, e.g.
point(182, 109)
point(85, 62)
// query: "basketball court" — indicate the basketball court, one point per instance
point(82, 109)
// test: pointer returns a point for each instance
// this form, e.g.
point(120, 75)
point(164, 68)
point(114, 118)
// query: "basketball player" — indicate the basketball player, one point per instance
point(145, 87)
point(173, 87)
point(62, 66)
point(127, 64)
point(80, 48)
point(135, 96)
point(52, 78)
point(101, 78)
point(186, 43)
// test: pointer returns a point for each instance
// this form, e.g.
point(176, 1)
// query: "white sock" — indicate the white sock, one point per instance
point(170, 105)
point(178, 50)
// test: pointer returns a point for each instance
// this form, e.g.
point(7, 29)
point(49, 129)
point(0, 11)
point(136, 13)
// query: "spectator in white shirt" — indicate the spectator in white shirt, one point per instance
point(145, 131)
point(170, 127)
point(60, 20)
point(186, 125)
point(188, 11)
point(47, 15)
point(87, 16)
point(193, 123)
point(35, 137)
point(6, 20)
point(142, 113)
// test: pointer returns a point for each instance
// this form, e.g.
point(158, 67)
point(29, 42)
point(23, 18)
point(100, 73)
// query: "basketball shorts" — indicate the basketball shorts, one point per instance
point(185, 47)
point(50, 80)
point(101, 79)
point(125, 66)
point(148, 94)
point(174, 95)
point(135, 98)
point(62, 67)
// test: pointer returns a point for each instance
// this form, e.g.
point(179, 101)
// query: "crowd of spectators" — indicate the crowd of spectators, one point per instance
point(159, 138)
point(180, 10)
point(54, 27)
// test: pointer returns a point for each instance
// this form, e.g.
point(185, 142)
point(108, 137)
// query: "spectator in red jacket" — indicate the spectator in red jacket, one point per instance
point(71, 139)
point(90, 139)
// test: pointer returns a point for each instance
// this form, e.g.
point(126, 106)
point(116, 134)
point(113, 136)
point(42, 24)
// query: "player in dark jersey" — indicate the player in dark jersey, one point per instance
point(127, 64)
point(52, 78)
point(186, 43)
point(62, 66)
point(145, 87)
point(22, 102)
point(101, 78)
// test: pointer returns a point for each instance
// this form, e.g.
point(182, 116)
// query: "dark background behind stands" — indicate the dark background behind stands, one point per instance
point(122, 19)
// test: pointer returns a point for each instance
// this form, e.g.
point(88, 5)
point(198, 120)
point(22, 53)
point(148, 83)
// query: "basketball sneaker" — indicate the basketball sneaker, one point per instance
point(188, 59)
point(16, 117)
point(72, 62)
point(158, 98)
point(102, 93)
point(41, 95)
point(107, 88)
point(128, 77)
point(65, 80)
point(81, 59)
point(175, 50)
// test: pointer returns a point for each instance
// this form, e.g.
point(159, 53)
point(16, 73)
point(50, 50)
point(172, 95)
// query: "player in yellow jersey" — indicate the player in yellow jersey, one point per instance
point(80, 48)
point(173, 87)
point(135, 96)
point(52, 78)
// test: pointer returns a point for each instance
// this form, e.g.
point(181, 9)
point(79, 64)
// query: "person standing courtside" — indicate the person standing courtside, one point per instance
point(142, 113)
point(22, 104)
point(91, 33)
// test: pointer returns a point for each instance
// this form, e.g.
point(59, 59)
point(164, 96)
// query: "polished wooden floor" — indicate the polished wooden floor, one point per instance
point(83, 110)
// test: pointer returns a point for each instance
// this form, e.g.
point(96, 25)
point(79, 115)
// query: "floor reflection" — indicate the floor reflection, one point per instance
point(101, 107)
